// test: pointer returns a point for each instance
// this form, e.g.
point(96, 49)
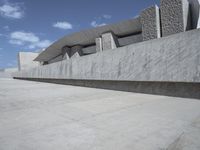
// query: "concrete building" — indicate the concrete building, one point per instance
point(25, 60)
point(158, 52)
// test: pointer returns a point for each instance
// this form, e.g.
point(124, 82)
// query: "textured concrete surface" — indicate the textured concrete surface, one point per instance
point(174, 16)
point(173, 58)
point(40, 116)
point(109, 41)
point(150, 20)
point(98, 43)
point(25, 60)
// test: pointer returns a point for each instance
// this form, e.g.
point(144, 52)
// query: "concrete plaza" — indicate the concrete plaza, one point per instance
point(43, 116)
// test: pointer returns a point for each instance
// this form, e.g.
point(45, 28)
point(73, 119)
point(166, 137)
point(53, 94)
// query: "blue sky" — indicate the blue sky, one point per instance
point(30, 25)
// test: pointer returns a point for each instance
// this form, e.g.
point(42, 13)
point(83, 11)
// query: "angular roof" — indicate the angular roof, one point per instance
point(87, 37)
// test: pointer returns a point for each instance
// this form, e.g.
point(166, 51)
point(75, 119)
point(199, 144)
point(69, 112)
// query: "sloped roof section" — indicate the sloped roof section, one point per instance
point(87, 37)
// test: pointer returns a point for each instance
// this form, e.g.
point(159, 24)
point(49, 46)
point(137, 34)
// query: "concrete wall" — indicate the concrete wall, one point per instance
point(175, 58)
point(25, 60)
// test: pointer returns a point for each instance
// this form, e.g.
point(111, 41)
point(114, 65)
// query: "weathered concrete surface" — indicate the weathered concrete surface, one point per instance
point(150, 20)
point(174, 16)
point(25, 60)
point(98, 42)
point(109, 41)
point(175, 58)
point(44, 116)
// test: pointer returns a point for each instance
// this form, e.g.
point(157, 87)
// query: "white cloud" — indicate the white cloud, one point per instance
point(95, 24)
point(24, 36)
point(40, 44)
point(107, 16)
point(16, 42)
point(63, 25)
point(14, 11)
point(100, 21)
point(28, 39)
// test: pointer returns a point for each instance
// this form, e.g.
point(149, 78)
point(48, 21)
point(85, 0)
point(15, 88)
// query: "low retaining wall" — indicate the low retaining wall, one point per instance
point(176, 89)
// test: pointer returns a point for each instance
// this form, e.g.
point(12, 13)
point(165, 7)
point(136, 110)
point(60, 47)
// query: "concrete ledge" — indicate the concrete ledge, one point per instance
point(175, 89)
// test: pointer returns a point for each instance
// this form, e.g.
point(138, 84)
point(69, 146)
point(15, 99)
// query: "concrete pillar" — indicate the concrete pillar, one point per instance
point(99, 47)
point(150, 19)
point(76, 49)
point(195, 13)
point(66, 52)
point(175, 16)
point(109, 41)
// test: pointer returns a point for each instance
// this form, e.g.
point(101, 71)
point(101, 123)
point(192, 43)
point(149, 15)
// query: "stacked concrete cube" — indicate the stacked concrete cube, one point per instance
point(175, 16)
point(150, 20)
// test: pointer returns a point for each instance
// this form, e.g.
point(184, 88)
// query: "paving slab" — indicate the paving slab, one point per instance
point(35, 116)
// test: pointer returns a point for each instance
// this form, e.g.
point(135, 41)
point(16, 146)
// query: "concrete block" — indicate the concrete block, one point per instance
point(109, 41)
point(150, 19)
point(76, 49)
point(175, 16)
point(99, 47)
point(195, 13)
point(25, 60)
